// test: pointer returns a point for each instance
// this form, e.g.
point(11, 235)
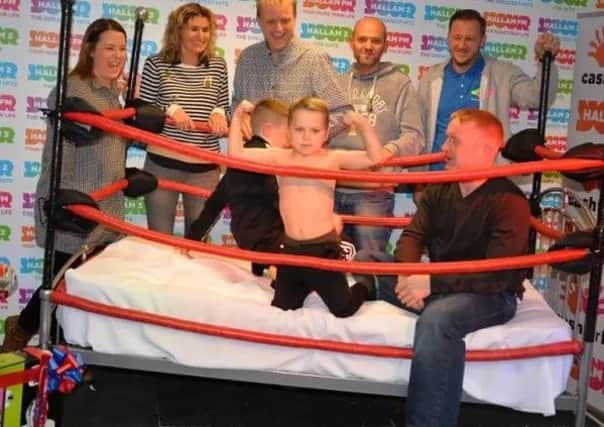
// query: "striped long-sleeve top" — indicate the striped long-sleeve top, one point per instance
point(198, 90)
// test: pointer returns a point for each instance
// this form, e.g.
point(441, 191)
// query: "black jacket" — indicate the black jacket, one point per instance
point(254, 202)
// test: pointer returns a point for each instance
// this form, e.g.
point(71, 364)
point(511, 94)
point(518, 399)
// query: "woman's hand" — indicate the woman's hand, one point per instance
point(218, 124)
point(182, 120)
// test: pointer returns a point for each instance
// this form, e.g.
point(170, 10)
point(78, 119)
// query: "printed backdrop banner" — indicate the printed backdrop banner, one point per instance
point(586, 125)
point(29, 37)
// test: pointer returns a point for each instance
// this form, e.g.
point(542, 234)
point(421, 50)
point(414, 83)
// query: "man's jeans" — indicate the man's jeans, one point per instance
point(436, 378)
point(366, 203)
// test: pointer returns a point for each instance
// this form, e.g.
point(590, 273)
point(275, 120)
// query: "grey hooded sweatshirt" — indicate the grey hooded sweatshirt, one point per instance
point(389, 101)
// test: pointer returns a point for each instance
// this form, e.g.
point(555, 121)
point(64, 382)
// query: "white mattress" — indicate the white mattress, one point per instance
point(138, 274)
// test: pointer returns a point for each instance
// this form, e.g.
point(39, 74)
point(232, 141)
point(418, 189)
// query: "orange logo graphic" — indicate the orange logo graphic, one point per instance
point(590, 115)
point(34, 136)
point(598, 48)
point(27, 234)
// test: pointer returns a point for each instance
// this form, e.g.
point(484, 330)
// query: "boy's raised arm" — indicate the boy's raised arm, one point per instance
point(374, 152)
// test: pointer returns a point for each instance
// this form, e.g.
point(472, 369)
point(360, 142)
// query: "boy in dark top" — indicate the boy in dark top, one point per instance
point(252, 197)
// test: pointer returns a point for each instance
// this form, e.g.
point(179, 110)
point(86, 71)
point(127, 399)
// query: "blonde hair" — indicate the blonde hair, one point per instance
point(269, 110)
point(263, 3)
point(483, 120)
point(91, 37)
point(171, 44)
point(310, 103)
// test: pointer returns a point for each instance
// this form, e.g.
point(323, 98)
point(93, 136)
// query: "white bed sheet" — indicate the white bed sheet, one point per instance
point(134, 273)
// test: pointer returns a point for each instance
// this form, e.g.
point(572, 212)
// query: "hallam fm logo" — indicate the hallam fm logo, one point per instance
point(30, 265)
point(8, 70)
point(568, 3)
point(566, 57)
point(7, 103)
point(43, 39)
point(80, 9)
point(227, 214)
point(247, 24)
point(6, 201)
point(34, 138)
point(556, 142)
point(221, 22)
point(40, 39)
point(565, 86)
point(27, 203)
point(388, 8)
point(5, 233)
point(228, 240)
point(396, 40)
point(590, 115)
point(507, 51)
point(332, 5)
point(332, 33)
point(558, 116)
point(341, 65)
point(28, 235)
point(7, 135)
point(7, 171)
point(31, 169)
point(3, 302)
point(514, 113)
point(438, 13)
point(148, 48)
point(9, 5)
point(134, 206)
point(532, 114)
point(507, 22)
point(561, 27)
point(125, 12)
point(44, 73)
point(76, 42)
point(25, 294)
point(431, 43)
point(34, 104)
point(9, 36)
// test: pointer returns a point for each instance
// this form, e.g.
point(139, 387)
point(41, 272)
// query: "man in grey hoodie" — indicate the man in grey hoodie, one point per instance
point(472, 80)
point(380, 91)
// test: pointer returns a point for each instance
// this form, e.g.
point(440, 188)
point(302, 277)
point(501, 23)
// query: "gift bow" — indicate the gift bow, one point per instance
point(65, 370)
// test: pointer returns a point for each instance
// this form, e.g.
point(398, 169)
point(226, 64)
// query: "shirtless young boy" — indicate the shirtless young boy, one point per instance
point(307, 204)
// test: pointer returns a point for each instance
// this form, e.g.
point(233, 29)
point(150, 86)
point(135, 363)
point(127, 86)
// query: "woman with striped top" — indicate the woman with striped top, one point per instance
point(190, 82)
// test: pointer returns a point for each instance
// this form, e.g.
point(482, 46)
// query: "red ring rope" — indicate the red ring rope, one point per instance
point(547, 153)
point(390, 268)
point(383, 351)
point(410, 177)
point(419, 160)
point(544, 229)
point(59, 296)
point(395, 222)
point(126, 113)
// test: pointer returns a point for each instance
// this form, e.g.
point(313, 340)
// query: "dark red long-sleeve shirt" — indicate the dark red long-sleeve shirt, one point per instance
point(490, 222)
